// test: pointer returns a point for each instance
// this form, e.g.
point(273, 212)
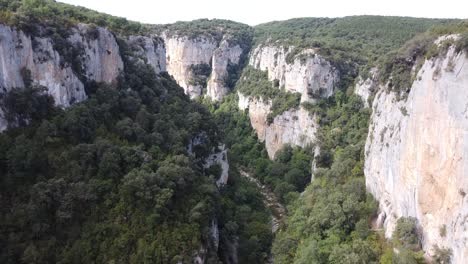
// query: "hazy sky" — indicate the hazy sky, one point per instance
point(259, 11)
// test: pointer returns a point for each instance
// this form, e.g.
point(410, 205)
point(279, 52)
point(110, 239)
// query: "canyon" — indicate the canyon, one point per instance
point(416, 148)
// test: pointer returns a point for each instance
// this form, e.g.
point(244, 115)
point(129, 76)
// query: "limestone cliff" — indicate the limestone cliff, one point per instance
point(34, 57)
point(306, 73)
point(150, 50)
point(200, 65)
point(100, 56)
point(416, 154)
point(364, 88)
point(20, 53)
point(296, 127)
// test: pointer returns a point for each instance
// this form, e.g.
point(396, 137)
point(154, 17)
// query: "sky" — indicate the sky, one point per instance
point(254, 12)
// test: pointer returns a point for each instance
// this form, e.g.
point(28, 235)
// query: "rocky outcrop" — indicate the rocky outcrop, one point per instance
point(416, 154)
point(365, 88)
point(21, 54)
point(295, 127)
point(306, 73)
point(100, 56)
point(223, 57)
point(219, 158)
point(150, 50)
point(200, 65)
point(24, 56)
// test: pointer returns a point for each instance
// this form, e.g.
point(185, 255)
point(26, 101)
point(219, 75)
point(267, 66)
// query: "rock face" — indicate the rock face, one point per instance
point(100, 56)
point(150, 50)
point(294, 126)
point(306, 73)
point(22, 55)
point(200, 65)
point(223, 57)
point(221, 159)
point(365, 88)
point(416, 154)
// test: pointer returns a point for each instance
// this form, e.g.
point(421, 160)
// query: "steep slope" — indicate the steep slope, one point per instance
point(313, 57)
point(277, 121)
point(110, 178)
point(205, 56)
point(416, 150)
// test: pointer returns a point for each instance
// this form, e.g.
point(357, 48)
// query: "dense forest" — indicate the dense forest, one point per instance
point(117, 179)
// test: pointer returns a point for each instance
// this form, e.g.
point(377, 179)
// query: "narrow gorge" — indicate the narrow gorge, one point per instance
point(309, 140)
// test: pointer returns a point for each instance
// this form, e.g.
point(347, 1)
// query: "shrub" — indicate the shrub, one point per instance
point(406, 232)
point(442, 255)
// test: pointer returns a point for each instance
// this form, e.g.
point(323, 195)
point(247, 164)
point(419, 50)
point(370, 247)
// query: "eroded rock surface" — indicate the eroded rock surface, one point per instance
point(295, 127)
point(306, 73)
point(416, 154)
point(200, 65)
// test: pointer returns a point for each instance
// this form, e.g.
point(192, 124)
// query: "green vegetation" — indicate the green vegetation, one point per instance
point(351, 44)
point(110, 180)
point(369, 36)
point(255, 83)
point(405, 241)
point(329, 223)
point(237, 33)
point(397, 67)
point(29, 15)
point(287, 175)
point(200, 74)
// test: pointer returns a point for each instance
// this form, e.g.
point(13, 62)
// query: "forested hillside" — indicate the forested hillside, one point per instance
point(112, 179)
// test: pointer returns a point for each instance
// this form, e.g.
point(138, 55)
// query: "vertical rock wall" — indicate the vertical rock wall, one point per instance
point(306, 73)
point(416, 154)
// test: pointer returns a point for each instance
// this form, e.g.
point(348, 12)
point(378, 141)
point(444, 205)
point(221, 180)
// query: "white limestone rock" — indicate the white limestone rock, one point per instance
point(184, 53)
point(100, 59)
point(20, 53)
point(365, 88)
point(416, 154)
point(296, 127)
point(222, 57)
point(309, 73)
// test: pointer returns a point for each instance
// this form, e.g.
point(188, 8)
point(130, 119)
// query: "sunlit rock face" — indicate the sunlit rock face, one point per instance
point(306, 73)
point(364, 88)
point(22, 55)
point(200, 65)
point(416, 154)
point(35, 58)
point(296, 127)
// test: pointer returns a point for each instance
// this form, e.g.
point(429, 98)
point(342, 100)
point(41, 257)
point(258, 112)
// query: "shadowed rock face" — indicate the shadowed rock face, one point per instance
point(151, 50)
point(417, 151)
point(101, 59)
